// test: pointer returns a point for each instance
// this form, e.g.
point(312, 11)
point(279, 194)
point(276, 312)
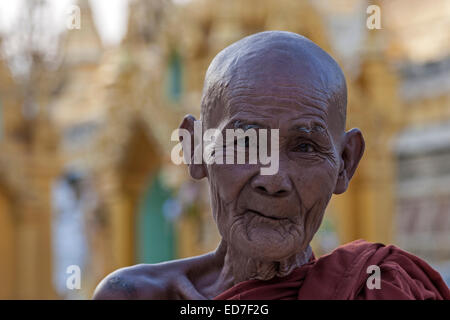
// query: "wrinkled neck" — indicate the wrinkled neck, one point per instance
point(238, 268)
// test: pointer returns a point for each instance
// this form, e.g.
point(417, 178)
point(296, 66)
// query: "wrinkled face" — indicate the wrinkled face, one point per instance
point(272, 217)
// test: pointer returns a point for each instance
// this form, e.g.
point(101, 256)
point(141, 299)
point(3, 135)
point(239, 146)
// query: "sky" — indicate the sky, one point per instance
point(110, 16)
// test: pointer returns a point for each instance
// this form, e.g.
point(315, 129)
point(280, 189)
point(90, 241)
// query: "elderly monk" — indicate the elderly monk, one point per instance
point(278, 80)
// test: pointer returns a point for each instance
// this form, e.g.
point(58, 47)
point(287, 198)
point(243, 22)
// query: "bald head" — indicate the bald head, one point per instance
point(281, 64)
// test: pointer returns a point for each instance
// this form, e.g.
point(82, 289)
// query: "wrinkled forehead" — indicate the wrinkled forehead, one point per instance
point(283, 71)
point(279, 89)
point(278, 81)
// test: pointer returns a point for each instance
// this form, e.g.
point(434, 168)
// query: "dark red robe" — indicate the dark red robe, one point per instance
point(342, 274)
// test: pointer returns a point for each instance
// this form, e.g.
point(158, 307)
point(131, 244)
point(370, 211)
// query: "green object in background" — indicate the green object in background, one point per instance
point(175, 72)
point(155, 235)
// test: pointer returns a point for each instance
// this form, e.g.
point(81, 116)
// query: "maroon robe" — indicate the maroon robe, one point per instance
point(342, 274)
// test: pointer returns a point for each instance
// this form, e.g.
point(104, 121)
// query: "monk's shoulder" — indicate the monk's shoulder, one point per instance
point(361, 253)
point(349, 253)
point(167, 280)
point(401, 274)
point(142, 281)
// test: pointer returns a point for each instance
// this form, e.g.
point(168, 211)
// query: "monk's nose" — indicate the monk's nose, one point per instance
point(272, 185)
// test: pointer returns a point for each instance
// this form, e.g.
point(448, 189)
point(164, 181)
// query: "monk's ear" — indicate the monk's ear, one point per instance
point(197, 168)
point(352, 152)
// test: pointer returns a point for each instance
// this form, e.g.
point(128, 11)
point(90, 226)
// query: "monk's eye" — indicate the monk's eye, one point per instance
point(305, 147)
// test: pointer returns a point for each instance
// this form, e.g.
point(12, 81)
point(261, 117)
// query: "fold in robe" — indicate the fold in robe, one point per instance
point(342, 274)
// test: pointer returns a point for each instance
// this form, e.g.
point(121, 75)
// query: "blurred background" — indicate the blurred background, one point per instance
point(90, 92)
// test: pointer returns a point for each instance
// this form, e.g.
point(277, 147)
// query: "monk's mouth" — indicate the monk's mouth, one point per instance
point(265, 216)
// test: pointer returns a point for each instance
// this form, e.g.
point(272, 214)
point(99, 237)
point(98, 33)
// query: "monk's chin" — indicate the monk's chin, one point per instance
point(267, 249)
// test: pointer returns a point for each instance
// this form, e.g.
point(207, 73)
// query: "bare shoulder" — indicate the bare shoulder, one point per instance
point(136, 282)
point(168, 280)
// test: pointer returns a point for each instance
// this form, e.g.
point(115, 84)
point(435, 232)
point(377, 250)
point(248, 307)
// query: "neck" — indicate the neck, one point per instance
point(238, 268)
